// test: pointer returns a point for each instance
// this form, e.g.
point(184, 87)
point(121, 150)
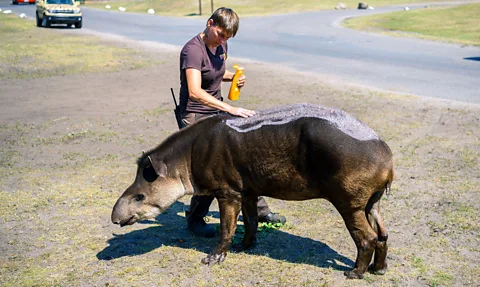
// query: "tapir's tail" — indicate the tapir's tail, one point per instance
point(372, 209)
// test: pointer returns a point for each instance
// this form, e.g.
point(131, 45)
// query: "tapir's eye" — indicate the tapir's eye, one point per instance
point(139, 197)
point(149, 174)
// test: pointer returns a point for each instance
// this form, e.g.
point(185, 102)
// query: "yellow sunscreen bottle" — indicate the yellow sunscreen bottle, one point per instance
point(234, 93)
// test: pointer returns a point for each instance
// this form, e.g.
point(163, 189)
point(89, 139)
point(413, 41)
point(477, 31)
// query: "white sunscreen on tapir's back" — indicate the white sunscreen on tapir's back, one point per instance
point(339, 119)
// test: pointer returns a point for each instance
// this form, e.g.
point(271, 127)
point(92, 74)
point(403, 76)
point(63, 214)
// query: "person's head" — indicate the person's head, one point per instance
point(222, 25)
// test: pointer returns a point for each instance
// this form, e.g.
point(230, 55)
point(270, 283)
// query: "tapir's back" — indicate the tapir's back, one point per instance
point(284, 149)
point(338, 119)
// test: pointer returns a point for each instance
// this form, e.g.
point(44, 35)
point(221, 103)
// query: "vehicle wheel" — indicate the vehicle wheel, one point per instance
point(14, 2)
point(78, 25)
point(45, 22)
point(39, 22)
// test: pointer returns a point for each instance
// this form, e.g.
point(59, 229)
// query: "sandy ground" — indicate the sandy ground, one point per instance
point(81, 134)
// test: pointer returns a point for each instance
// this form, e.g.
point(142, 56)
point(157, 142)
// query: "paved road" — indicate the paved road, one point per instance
point(316, 42)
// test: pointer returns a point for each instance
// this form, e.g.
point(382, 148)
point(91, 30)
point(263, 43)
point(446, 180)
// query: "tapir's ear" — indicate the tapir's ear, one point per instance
point(159, 166)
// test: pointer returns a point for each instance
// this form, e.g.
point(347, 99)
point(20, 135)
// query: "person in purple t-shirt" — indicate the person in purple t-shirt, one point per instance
point(202, 71)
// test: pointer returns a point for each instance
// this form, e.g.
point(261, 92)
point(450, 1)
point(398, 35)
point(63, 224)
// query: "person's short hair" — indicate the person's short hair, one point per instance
point(226, 19)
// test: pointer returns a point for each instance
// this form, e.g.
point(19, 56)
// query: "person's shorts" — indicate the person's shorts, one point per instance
point(191, 118)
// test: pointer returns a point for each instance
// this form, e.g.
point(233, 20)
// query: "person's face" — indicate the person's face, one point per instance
point(217, 35)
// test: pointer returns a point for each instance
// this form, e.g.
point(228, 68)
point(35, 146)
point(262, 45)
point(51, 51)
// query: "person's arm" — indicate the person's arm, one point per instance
point(228, 76)
point(194, 81)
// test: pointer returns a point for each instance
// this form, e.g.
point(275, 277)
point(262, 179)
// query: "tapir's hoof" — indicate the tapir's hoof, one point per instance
point(352, 274)
point(214, 258)
point(378, 270)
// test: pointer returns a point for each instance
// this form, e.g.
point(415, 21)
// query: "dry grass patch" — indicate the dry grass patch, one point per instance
point(459, 24)
point(243, 8)
point(29, 52)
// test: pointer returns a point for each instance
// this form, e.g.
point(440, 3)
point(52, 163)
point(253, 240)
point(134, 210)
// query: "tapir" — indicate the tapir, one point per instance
point(294, 152)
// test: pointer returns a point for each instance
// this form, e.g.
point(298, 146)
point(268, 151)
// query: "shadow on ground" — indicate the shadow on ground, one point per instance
point(273, 243)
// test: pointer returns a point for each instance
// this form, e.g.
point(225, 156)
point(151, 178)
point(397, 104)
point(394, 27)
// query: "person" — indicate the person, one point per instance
point(202, 71)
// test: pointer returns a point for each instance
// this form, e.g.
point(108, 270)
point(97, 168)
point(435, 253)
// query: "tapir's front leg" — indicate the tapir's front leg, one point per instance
point(229, 205)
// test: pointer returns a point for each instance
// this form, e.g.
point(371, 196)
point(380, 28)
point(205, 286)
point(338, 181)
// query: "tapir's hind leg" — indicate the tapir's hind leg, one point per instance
point(365, 239)
point(379, 265)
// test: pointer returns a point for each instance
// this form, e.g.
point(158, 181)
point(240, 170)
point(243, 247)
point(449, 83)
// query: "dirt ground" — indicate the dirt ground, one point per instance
point(68, 150)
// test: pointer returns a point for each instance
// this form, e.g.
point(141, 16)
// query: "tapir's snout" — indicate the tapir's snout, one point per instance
point(129, 221)
point(121, 214)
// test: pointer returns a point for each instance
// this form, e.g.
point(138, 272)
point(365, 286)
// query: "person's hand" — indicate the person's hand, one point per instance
point(241, 81)
point(241, 112)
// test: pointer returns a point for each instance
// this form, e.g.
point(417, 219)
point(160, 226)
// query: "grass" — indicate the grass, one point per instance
point(243, 8)
point(58, 184)
point(29, 52)
point(433, 277)
point(58, 233)
point(459, 24)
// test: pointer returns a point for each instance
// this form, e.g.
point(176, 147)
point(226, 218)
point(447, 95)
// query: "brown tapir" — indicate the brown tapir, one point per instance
point(296, 152)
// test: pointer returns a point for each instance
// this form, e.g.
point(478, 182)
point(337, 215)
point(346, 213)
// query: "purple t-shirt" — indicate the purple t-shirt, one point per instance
point(195, 54)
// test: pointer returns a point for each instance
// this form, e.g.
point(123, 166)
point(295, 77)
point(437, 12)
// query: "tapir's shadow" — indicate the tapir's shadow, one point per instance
point(275, 244)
